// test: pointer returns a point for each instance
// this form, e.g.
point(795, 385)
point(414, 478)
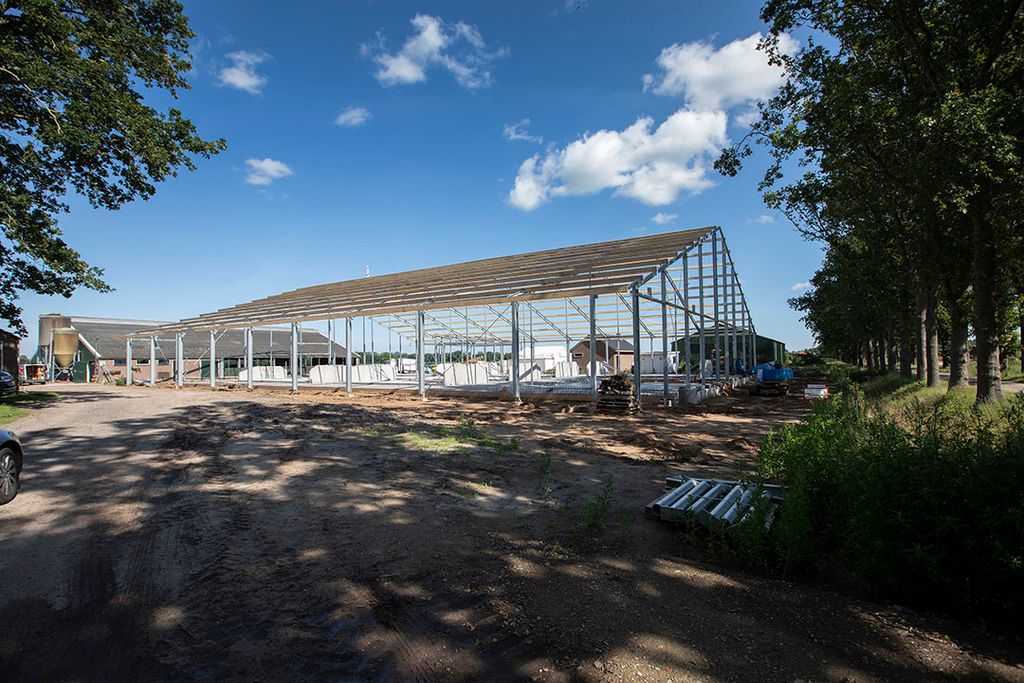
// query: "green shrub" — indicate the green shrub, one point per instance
point(925, 507)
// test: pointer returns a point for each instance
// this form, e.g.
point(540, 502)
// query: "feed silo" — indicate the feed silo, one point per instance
point(47, 324)
point(65, 346)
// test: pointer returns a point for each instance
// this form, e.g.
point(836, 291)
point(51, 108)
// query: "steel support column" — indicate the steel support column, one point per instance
point(179, 359)
point(348, 355)
point(743, 341)
point(515, 350)
point(294, 357)
point(686, 321)
point(421, 370)
point(152, 361)
point(593, 347)
point(703, 320)
point(637, 376)
point(249, 370)
point(732, 313)
point(332, 358)
point(128, 362)
point(664, 336)
point(213, 358)
point(753, 343)
point(714, 293)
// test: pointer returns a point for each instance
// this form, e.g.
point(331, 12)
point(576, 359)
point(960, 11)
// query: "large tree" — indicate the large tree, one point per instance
point(77, 78)
point(922, 99)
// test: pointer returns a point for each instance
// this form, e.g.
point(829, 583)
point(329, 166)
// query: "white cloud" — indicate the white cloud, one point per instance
point(765, 218)
point(458, 48)
point(662, 218)
point(266, 171)
point(709, 79)
point(653, 165)
point(242, 72)
point(517, 131)
point(656, 165)
point(747, 117)
point(353, 117)
point(800, 286)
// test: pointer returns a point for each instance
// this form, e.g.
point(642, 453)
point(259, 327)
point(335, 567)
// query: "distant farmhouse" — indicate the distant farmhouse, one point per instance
point(617, 354)
point(102, 349)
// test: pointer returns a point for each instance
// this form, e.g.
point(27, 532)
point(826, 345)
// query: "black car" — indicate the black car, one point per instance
point(8, 385)
point(10, 466)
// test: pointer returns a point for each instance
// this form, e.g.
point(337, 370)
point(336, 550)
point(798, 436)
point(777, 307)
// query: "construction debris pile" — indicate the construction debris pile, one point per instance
point(615, 395)
point(616, 384)
point(715, 503)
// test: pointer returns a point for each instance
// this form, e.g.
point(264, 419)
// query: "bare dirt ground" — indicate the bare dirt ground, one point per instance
point(196, 535)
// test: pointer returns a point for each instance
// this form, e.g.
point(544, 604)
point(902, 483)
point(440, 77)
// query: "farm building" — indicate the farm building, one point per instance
point(9, 352)
point(475, 326)
point(103, 351)
point(617, 354)
point(767, 349)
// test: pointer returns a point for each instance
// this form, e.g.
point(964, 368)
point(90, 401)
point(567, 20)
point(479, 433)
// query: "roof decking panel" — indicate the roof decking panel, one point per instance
point(598, 268)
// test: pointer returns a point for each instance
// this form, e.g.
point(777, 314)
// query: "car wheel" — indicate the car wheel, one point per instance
point(8, 476)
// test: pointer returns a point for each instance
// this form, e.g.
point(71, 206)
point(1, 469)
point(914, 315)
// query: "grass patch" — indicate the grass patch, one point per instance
point(890, 384)
point(430, 443)
point(13, 406)
point(594, 514)
point(547, 482)
point(469, 431)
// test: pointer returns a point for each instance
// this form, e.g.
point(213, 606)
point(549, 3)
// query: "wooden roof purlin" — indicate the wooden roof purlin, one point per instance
point(599, 268)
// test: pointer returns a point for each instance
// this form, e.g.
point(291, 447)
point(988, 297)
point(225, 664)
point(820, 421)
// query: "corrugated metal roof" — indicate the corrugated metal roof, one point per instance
point(107, 336)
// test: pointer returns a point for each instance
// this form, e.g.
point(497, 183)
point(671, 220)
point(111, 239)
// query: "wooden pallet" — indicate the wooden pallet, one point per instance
point(618, 404)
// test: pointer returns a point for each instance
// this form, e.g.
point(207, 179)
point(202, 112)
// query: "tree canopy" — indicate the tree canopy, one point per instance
point(903, 120)
point(74, 79)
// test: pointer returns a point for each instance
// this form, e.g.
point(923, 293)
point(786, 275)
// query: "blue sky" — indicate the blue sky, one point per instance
point(472, 130)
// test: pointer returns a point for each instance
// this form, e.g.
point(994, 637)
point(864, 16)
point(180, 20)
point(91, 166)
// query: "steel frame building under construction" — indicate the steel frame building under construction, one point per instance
point(656, 291)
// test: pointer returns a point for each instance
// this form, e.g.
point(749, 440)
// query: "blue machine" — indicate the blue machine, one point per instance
point(768, 376)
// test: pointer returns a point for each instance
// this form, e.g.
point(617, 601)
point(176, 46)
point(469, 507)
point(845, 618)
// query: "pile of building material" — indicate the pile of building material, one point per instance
point(456, 374)
point(263, 373)
point(715, 503)
point(566, 370)
point(615, 395)
point(368, 373)
point(527, 372)
point(617, 384)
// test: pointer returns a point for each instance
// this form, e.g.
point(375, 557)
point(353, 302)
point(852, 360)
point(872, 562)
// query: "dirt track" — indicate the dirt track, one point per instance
point(195, 535)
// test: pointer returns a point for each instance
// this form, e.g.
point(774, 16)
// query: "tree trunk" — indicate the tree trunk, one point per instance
point(890, 348)
point(932, 328)
point(1021, 323)
point(986, 328)
point(958, 352)
point(906, 345)
point(922, 334)
point(869, 352)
